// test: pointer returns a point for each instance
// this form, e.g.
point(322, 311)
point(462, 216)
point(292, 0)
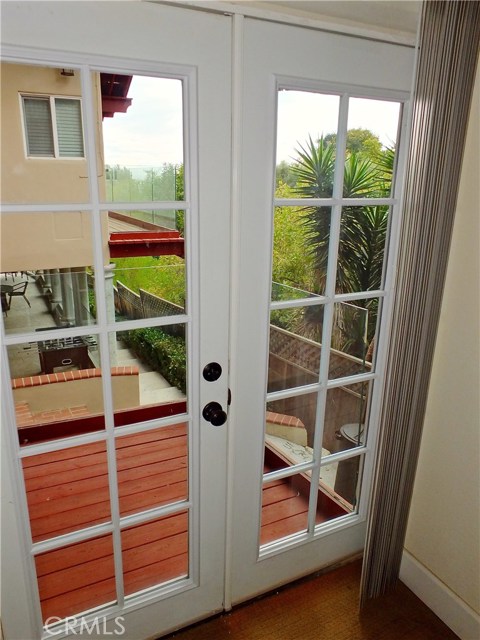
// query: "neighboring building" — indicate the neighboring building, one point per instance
point(43, 161)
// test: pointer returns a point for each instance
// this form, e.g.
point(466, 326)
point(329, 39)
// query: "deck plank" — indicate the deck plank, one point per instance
point(68, 490)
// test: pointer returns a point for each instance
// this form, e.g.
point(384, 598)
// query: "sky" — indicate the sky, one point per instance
point(150, 133)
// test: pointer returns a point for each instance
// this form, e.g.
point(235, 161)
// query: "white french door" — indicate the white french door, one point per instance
point(312, 316)
point(115, 523)
point(158, 513)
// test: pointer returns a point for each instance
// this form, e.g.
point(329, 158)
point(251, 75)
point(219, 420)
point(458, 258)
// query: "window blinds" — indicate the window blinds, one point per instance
point(40, 133)
point(38, 127)
point(69, 128)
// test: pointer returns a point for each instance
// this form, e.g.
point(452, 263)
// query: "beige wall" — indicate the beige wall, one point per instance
point(30, 242)
point(30, 180)
point(443, 530)
point(47, 240)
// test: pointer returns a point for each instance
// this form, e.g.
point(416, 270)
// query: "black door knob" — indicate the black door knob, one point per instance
point(213, 412)
point(212, 371)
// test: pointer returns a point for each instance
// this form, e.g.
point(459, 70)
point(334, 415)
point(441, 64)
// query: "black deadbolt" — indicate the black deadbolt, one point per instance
point(212, 371)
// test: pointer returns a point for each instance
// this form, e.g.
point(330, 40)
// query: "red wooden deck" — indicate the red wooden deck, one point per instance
point(68, 490)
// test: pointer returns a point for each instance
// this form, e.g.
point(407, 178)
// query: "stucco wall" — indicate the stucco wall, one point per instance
point(47, 240)
point(31, 180)
point(443, 530)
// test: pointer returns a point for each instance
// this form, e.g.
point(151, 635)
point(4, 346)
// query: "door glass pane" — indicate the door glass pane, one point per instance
point(294, 347)
point(346, 417)
point(149, 373)
point(147, 256)
point(46, 278)
point(67, 490)
point(285, 501)
point(284, 507)
point(155, 552)
point(152, 468)
point(145, 220)
point(76, 578)
point(361, 252)
point(33, 170)
point(297, 254)
point(348, 355)
point(289, 431)
point(339, 488)
point(306, 127)
point(371, 144)
point(149, 287)
point(141, 137)
point(57, 388)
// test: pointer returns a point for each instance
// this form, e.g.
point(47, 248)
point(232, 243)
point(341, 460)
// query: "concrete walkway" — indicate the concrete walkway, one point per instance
point(154, 389)
point(24, 359)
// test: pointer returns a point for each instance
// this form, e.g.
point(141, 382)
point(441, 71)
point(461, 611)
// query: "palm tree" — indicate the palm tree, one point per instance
point(363, 229)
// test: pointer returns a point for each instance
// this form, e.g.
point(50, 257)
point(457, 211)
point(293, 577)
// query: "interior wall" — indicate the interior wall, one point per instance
point(444, 529)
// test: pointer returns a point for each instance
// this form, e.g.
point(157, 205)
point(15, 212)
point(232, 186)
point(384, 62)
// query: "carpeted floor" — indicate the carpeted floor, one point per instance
point(325, 608)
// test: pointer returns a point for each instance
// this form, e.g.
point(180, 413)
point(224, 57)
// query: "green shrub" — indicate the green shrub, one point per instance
point(92, 305)
point(165, 353)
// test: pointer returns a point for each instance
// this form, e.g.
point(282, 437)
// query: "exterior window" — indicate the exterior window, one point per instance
point(53, 127)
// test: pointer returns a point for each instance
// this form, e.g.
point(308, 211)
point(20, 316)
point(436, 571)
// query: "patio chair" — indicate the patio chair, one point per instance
point(18, 289)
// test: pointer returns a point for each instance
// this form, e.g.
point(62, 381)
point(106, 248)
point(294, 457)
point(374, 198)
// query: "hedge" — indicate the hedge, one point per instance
point(165, 353)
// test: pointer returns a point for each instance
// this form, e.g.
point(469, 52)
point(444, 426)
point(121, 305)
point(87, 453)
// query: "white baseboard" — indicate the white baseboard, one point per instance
point(453, 611)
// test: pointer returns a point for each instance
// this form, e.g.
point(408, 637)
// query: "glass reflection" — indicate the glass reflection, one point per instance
point(294, 347)
point(339, 488)
point(346, 417)
point(289, 430)
point(350, 346)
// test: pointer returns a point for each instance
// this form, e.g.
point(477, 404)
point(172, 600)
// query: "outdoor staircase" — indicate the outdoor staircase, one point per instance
point(154, 389)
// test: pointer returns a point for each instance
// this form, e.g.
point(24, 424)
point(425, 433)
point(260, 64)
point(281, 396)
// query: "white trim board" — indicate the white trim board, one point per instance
point(451, 609)
point(292, 16)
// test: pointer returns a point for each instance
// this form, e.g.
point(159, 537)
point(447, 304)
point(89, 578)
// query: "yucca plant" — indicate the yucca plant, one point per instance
point(363, 229)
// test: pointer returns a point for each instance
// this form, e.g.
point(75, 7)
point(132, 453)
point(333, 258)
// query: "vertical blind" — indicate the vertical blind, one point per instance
point(448, 51)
